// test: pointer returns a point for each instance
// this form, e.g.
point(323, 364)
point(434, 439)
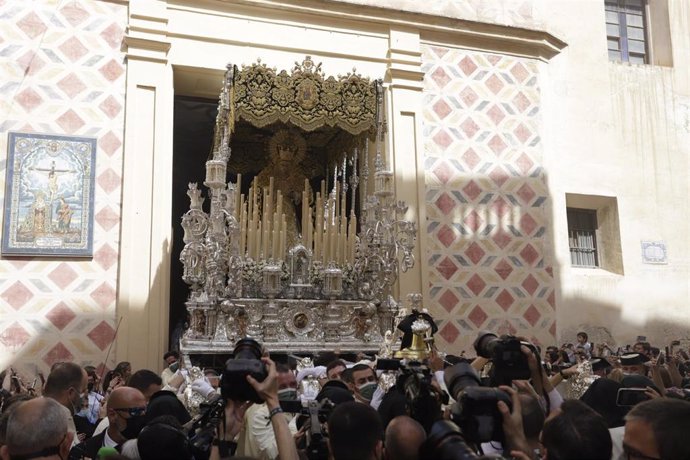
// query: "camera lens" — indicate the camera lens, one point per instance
point(485, 344)
point(247, 349)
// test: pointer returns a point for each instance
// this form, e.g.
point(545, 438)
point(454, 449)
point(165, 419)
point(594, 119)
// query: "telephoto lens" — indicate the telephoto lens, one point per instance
point(246, 361)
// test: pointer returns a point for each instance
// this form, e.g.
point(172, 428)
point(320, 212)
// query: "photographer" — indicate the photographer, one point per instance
point(235, 413)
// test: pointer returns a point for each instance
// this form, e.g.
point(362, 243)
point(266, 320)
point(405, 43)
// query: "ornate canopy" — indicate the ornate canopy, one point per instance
point(304, 97)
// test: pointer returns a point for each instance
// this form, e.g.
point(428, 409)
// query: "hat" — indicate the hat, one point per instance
point(633, 359)
point(599, 364)
point(601, 396)
point(638, 381)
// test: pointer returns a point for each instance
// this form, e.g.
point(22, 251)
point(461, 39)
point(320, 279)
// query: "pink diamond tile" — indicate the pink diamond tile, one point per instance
point(530, 284)
point(524, 163)
point(468, 97)
point(60, 315)
point(443, 172)
point(104, 295)
point(102, 335)
point(497, 145)
point(30, 63)
point(505, 300)
point(501, 238)
point(70, 121)
point(472, 190)
point(496, 114)
point(74, 13)
point(493, 59)
point(440, 77)
point(447, 268)
point(503, 269)
point(109, 143)
point(552, 329)
point(532, 315)
point(14, 336)
point(440, 52)
point(112, 70)
point(109, 180)
point(526, 193)
point(445, 203)
point(113, 35)
point(28, 99)
point(467, 66)
point(529, 254)
point(71, 85)
point(494, 84)
point(476, 284)
point(32, 25)
point(73, 49)
point(473, 221)
point(475, 253)
point(521, 102)
point(106, 256)
point(442, 139)
point(449, 332)
point(446, 235)
point(63, 275)
point(500, 207)
point(527, 224)
point(499, 176)
point(519, 72)
point(469, 127)
point(522, 132)
point(107, 218)
point(471, 158)
point(18, 263)
point(442, 109)
point(477, 316)
point(58, 354)
point(448, 300)
point(17, 295)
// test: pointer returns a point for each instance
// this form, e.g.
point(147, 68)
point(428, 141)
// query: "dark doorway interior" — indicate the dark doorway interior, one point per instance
point(192, 137)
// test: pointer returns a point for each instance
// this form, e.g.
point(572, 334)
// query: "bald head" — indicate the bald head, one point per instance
point(37, 425)
point(404, 436)
point(125, 398)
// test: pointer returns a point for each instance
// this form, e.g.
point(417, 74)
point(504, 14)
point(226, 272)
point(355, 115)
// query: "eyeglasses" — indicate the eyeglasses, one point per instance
point(133, 411)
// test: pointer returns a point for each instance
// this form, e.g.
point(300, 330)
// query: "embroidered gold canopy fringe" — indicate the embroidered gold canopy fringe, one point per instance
point(304, 97)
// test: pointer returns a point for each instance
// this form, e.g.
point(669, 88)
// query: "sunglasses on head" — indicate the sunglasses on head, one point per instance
point(133, 411)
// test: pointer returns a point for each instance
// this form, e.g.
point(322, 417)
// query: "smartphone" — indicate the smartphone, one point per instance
point(641, 338)
point(628, 397)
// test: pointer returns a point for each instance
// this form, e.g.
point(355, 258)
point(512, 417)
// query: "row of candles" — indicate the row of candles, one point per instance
point(327, 231)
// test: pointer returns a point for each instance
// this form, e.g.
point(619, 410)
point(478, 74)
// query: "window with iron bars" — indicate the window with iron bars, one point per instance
point(582, 226)
point(626, 31)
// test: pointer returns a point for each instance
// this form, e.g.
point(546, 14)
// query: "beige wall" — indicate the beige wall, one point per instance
point(616, 130)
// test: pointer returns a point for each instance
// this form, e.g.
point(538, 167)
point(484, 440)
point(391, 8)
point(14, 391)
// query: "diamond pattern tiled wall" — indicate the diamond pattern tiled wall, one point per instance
point(489, 255)
point(62, 72)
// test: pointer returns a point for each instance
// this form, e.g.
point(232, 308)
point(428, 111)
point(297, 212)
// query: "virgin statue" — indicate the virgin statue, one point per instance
point(286, 149)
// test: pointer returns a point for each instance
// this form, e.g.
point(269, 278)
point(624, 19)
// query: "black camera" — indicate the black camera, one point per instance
point(316, 414)
point(202, 429)
point(445, 442)
point(246, 361)
point(475, 410)
point(508, 361)
point(422, 400)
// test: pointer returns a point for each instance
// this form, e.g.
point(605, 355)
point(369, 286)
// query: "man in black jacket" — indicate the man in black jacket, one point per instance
point(126, 408)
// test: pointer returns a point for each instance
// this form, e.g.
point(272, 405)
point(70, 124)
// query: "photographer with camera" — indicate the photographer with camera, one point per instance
point(267, 390)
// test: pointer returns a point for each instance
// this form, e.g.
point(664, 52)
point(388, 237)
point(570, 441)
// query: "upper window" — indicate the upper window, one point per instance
point(626, 31)
point(582, 228)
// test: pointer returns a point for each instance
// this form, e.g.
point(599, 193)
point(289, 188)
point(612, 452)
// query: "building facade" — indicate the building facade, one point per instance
point(548, 180)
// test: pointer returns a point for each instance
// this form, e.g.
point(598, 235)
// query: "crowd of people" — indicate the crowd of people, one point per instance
point(576, 401)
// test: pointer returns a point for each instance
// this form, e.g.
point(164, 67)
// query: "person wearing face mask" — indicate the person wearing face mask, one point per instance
point(257, 439)
point(172, 364)
point(126, 410)
point(364, 383)
point(67, 384)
